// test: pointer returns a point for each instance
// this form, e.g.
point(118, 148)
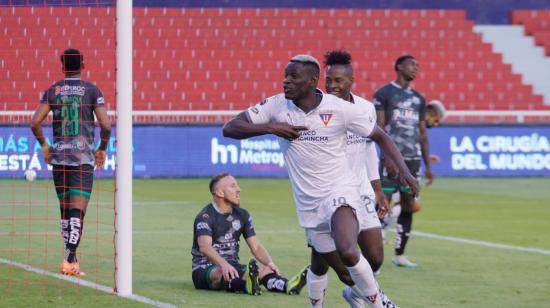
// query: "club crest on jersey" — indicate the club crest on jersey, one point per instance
point(325, 117)
point(236, 224)
point(372, 298)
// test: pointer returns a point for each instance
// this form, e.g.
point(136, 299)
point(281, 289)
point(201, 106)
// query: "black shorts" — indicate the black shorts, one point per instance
point(201, 275)
point(390, 185)
point(73, 180)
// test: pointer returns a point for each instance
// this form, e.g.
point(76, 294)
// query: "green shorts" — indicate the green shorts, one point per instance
point(73, 180)
point(390, 186)
point(201, 275)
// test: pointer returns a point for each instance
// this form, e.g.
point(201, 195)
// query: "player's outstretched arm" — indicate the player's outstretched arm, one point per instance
point(241, 127)
point(390, 150)
point(260, 253)
point(36, 126)
point(205, 247)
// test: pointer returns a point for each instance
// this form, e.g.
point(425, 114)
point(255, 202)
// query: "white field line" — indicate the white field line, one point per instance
point(298, 231)
point(149, 301)
point(480, 243)
point(85, 283)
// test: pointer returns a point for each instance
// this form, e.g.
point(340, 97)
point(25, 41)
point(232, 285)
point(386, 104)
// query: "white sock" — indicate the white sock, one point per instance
point(365, 285)
point(64, 226)
point(395, 211)
point(316, 286)
point(356, 292)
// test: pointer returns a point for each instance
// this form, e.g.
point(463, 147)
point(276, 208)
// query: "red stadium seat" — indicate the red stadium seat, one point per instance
point(225, 58)
point(536, 23)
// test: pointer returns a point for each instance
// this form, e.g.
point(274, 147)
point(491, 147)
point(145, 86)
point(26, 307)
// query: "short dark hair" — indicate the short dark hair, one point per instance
point(215, 179)
point(336, 57)
point(72, 60)
point(402, 59)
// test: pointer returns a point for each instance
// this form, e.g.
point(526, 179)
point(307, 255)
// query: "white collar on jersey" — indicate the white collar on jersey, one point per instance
point(352, 97)
point(218, 209)
point(72, 78)
point(400, 87)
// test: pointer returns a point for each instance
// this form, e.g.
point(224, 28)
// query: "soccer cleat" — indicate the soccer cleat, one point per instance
point(386, 301)
point(296, 283)
point(353, 301)
point(402, 261)
point(252, 278)
point(71, 269)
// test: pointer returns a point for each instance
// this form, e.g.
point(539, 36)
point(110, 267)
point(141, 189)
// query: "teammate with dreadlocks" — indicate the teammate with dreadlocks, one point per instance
point(363, 160)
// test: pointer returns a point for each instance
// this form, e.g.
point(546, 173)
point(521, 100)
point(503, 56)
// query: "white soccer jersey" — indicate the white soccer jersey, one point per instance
point(362, 155)
point(316, 161)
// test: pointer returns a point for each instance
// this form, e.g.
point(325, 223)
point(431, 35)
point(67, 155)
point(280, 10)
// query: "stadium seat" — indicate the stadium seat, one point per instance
point(230, 58)
point(536, 23)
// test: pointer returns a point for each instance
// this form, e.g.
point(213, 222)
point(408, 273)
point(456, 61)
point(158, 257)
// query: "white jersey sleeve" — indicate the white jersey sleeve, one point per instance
point(266, 110)
point(360, 119)
point(372, 161)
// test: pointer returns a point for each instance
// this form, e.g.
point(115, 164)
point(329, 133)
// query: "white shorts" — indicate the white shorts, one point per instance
point(320, 217)
point(320, 238)
point(368, 218)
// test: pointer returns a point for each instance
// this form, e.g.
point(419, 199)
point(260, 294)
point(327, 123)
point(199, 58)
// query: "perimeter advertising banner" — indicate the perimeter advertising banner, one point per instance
point(491, 150)
point(181, 151)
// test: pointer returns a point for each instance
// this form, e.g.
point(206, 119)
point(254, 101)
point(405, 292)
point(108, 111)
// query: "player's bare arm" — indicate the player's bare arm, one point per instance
point(425, 147)
point(105, 135)
point(383, 207)
point(36, 126)
point(205, 247)
point(240, 128)
point(392, 152)
point(260, 253)
point(374, 179)
point(390, 166)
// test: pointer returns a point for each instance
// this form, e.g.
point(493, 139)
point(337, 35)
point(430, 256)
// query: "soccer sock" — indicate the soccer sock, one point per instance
point(76, 217)
point(235, 285)
point(362, 276)
point(275, 283)
point(64, 226)
point(396, 210)
point(404, 224)
point(64, 223)
point(316, 286)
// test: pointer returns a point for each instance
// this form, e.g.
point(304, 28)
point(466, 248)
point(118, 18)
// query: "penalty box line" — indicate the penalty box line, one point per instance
point(86, 283)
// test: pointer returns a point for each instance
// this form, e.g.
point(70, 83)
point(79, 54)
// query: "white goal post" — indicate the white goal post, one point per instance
point(124, 160)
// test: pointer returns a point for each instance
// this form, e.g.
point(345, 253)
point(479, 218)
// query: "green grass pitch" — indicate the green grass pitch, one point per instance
point(450, 274)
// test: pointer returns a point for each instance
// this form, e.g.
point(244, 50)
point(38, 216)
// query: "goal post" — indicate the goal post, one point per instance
point(124, 161)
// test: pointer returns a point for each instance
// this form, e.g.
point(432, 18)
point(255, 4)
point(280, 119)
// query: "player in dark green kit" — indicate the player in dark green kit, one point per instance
point(73, 155)
point(216, 240)
point(401, 112)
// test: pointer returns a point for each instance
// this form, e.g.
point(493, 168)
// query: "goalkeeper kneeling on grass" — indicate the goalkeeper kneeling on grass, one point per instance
point(216, 234)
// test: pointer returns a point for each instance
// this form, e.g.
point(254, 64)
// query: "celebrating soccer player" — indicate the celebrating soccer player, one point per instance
point(313, 127)
point(216, 240)
point(363, 160)
point(401, 112)
point(73, 155)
